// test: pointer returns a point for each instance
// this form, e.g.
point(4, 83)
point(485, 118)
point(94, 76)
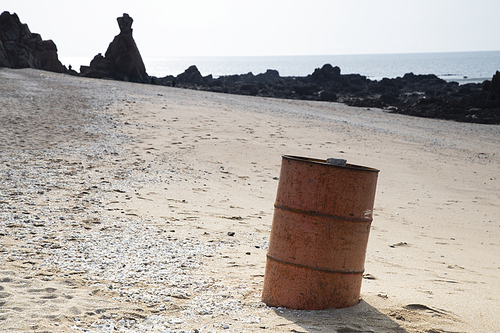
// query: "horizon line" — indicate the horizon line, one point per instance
point(290, 55)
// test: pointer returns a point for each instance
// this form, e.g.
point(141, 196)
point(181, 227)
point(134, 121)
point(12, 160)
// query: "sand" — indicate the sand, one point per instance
point(145, 208)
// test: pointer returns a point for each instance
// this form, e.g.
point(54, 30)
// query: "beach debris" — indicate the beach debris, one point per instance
point(399, 244)
point(306, 185)
point(336, 161)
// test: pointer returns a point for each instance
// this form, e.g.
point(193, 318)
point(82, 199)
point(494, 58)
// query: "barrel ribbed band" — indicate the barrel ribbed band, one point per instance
point(317, 269)
point(320, 214)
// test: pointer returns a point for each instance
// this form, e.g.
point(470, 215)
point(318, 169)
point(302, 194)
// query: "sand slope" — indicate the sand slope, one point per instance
point(117, 200)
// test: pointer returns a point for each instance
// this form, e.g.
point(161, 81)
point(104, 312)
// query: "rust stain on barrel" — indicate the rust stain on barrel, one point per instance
point(319, 234)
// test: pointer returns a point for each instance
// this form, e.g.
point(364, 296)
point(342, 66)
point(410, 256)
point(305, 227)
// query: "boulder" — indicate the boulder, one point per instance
point(326, 73)
point(20, 48)
point(191, 75)
point(270, 76)
point(122, 60)
point(492, 86)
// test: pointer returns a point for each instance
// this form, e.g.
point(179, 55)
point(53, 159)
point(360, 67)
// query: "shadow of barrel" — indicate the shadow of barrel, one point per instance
point(359, 318)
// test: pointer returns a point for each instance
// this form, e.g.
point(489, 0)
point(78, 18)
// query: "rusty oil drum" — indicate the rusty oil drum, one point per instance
point(319, 234)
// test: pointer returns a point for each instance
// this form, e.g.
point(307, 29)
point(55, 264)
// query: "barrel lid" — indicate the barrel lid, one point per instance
point(325, 162)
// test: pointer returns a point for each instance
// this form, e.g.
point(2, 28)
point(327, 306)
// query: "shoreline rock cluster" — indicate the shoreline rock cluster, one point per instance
point(415, 95)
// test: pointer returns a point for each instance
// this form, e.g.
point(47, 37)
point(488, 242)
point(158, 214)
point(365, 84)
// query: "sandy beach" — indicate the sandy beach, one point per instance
point(140, 208)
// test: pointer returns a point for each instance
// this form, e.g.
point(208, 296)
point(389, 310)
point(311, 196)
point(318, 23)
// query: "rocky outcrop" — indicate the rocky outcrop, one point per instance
point(192, 76)
point(20, 48)
point(122, 60)
point(492, 88)
point(416, 95)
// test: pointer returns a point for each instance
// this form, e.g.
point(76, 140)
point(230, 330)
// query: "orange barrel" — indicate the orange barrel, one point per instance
point(319, 234)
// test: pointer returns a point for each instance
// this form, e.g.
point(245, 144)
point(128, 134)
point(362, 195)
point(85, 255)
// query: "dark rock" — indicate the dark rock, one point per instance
point(122, 60)
point(493, 86)
point(250, 89)
point(423, 78)
point(385, 82)
point(326, 73)
point(72, 72)
point(417, 95)
point(306, 89)
point(20, 48)
point(389, 98)
point(269, 77)
point(168, 80)
point(327, 96)
point(190, 76)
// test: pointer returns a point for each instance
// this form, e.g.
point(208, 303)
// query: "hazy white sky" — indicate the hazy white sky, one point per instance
point(266, 27)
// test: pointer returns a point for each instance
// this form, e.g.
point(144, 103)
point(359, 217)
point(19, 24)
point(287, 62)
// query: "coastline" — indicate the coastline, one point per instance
point(448, 66)
point(119, 216)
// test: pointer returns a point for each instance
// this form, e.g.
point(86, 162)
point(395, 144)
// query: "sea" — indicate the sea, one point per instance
point(462, 67)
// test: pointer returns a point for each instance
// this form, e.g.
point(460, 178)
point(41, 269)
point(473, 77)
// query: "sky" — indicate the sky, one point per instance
point(165, 28)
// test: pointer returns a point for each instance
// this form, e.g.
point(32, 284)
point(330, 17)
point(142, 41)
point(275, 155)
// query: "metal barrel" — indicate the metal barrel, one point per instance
point(319, 234)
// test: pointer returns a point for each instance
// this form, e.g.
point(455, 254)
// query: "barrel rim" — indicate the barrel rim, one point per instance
point(323, 162)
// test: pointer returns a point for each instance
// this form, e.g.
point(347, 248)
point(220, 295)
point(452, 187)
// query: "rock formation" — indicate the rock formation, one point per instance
point(20, 48)
point(122, 60)
point(191, 75)
point(416, 95)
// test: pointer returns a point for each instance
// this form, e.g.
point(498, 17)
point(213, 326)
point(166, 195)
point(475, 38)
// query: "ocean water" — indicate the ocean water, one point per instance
point(463, 67)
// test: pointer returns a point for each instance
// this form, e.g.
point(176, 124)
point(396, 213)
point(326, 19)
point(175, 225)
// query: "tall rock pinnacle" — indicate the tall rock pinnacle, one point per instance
point(122, 60)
